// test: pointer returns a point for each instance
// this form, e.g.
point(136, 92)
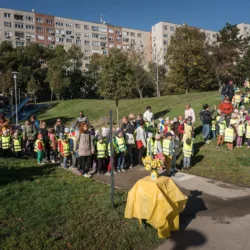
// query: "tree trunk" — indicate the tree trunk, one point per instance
point(140, 92)
point(117, 113)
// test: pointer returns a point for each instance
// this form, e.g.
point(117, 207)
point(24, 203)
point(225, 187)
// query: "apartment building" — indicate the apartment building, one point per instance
point(161, 34)
point(244, 29)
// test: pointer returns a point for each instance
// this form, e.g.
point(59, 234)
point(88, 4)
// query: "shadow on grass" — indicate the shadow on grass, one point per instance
point(161, 114)
point(198, 130)
point(65, 120)
point(8, 175)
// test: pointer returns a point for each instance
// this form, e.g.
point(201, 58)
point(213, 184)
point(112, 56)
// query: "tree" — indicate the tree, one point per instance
point(188, 61)
point(6, 83)
point(33, 87)
point(115, 82)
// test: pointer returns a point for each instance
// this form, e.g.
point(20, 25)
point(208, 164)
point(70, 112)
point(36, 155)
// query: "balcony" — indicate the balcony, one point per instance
point(18, 17)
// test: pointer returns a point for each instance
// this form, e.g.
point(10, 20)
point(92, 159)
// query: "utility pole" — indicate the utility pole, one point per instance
point(15, 80)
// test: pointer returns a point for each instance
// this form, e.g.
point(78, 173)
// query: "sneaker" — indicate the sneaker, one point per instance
point(92, 171)
point(43, 163)
point(89, 175)
point(119, 171)
point(131, 166)
point(53, 161)
point(86, 176)
point(108, 174)
point(124, 170)
point(207, 142)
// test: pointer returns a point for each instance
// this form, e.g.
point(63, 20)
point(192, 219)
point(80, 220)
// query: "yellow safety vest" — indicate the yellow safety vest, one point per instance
point(213, 125)
point(17, 145)
point(156, 147)
point(248, 132)
point(150, 146)
point(36, 145)
point(166, 147)
point(229, 135)
point(187, 149)
point(240, 130)
point(246, 99)
point(5, 142)
point(222, 127)
point(66, 151)
point(233, 121)
point(237, 98)
point(121, 144)
point(101, 150)
point(116, 150)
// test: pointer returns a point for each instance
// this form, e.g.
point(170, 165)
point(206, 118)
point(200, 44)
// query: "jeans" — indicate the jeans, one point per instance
point(213, 133)
point(83, 160)
point(186, 162)
point(206, 131)
point(65, 159)
point(120, 160)
point(73, 160)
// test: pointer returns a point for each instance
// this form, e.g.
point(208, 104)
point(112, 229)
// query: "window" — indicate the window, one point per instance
point(29, 27)
point(78, 41)
point(51, 46)
point(7, 15)
point(87, 51)
point(50, 38)
point(59, 31)
point(39, 20)
point(165, 27)
point(118, 32)
point(7, 24)
point(50, 30)
point(102, 37)
point(171, 28)
point(68, 40)
point(132, 34)
point(78, 26)
point(40, 37)
point(18, 17)
point(41, 29)
point(29, 18)
point(132, 41)
point(60, 39)
point(103, 44)
point(105, 52)
point(102, 29)
point(139, 35)
point(18, 25)
point(87, 65)
point(78, 34)
point(8, 34)
point(165, 42)
point(68, 25)
point(125, 39)
point(87, 42)
point(49, 21)
point(68, 32)
point(111, 31)
point(95, 43)
point(94, 35)
point(118, 39)
point(59, 23)
point(165, 35)
point(111, 38)
point(87, 58)
point(86, 35)
point(124, 33)
point(95, 28)
point(245, 29)
point(86, 27)
point(19, 43)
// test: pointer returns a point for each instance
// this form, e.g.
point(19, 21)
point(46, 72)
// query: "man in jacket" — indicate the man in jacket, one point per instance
point(230, 88)
point(29, 135)
point(224, 91)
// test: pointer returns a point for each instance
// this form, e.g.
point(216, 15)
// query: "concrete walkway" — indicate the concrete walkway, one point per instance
point(216, 217)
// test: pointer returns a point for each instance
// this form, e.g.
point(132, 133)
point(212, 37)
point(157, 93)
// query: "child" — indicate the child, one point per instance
point(221, 127)
point(240, 133)
point(53, 145)
point(17, 145)
point(248, 134)
point(72, 138)
point(101, 154)
point(181, 128)
point(6, 147)
point(64, 150)
point(246, 99)
point(213, 129)
point(161, 126)
point(66, 133)
point(237, 99)
point(187, 153)
point(242, 110)
point(150, 145)
point(188, 129)
point(120, 141)
point(167, 126)
point(229, 137)
point(39, 149)
point(167, 151)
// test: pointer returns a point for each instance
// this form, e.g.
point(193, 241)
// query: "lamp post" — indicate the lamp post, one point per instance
point(15, 80)
point(11, 94)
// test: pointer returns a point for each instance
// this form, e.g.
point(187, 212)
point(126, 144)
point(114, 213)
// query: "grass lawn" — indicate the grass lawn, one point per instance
point(51, 208)
point(209, 161)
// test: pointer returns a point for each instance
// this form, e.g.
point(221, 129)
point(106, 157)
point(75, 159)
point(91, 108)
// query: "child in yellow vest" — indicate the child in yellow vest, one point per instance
point(240, 134)
point(229, 137)
point(17, 145)
point(64, 150)
point(150, 145)
point(167, 150)
point(187, 153)
point(213, 129)
point(39, 149)
point(6, 144)
point(101, 155)
point(120, 141)
point(248, 134)
point(237, 99)
point(188, 129)
point(221, 127)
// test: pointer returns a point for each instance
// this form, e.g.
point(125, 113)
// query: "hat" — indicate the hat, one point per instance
point(66, 130)
point(61, 135)
point(168, 134)
point(40, 136)
point(157, 136)
point(117, 132)
point(167, 119)
point(150, 135)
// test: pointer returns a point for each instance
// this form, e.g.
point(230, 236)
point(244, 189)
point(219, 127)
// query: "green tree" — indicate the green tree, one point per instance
point(188, 61)
point(6, 83)
point(115, 82)
point(33, 87)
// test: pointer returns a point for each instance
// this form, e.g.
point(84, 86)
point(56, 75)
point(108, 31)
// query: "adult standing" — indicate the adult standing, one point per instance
point(224, 91)
point(206, 119)
point(128, 130)
point(35, 121)
point(44, 131)
point(141, 141)
point(148, 116)
point(231, 91)
point(84, 145)
point(4, 123)
point(189, 112)
point(29, 135)
point(246, 84)
point(82, 118)
point(59, 127)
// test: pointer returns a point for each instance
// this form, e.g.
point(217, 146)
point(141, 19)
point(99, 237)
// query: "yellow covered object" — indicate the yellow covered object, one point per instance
point(159, 202)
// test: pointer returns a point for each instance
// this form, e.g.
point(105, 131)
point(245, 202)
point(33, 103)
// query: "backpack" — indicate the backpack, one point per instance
point(201, 116)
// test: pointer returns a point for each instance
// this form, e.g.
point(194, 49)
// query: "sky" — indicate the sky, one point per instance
point(139, 14)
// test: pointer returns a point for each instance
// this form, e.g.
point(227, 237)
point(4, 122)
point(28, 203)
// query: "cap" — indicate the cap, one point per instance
point(117, 132)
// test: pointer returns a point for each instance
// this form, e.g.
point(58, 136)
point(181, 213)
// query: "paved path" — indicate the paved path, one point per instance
point(217, 215)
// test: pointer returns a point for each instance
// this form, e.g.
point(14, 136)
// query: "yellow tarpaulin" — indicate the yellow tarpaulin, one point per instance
point(159, 202)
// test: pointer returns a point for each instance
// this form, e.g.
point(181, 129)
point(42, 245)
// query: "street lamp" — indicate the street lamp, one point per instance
point(11, 94)
point(15, 79)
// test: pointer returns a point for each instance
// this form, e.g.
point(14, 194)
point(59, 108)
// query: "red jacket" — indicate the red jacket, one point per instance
point(181, 128)
point(226, 108)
